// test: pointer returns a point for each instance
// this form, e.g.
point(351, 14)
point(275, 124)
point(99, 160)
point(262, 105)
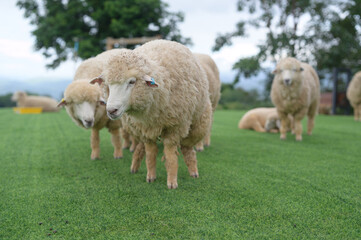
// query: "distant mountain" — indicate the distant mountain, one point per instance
point(53, 88)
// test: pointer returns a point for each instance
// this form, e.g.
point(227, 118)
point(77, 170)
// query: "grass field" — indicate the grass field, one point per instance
point(251, 185)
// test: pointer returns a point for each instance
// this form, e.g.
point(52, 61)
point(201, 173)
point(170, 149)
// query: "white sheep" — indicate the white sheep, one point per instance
point(354, 95)
point(85, 104)
point(162, 92)
point(212, 73)
point(46, 103)
point(295, 91)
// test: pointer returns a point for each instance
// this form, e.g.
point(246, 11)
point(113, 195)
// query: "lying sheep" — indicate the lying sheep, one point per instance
point(211, 70)
point(46, 103)
point(85, 104)
point(260, 120)
point(295, 91)
point(162, 92)
point(354, 95)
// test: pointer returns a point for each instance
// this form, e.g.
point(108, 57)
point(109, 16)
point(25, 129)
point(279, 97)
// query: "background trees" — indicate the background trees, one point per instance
point(60, 24)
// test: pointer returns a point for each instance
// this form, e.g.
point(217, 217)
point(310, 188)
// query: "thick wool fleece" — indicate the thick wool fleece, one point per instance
point(178, 110)
point(46, 103)
point(257, 118)
point(212, 73)
point(354, 95)
point(301, 98)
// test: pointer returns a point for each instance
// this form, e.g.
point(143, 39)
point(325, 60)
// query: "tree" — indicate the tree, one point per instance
point(323, 33)
point(62, 23)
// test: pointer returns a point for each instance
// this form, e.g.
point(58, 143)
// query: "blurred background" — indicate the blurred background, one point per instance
point(42, 42)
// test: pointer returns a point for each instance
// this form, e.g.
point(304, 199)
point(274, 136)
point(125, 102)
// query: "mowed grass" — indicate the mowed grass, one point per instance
point(251, 185)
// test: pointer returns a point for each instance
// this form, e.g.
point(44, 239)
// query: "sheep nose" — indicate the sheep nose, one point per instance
point(112, 110)
point(89, 122)
point(287, 81)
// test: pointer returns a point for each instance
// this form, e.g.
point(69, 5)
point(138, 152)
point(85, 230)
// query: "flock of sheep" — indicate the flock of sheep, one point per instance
point(161, 91)
point(295, 93)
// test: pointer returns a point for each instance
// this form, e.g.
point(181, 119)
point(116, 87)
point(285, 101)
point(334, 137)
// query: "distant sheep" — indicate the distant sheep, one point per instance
point(212, 73)
point(354, 95)
point(85, 104)
point(162, 92)
point(295, 91)
point(46, 103)
point(261, 120)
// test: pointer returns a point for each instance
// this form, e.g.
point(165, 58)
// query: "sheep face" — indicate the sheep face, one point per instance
point(288, 72)
point(84, 103)
point(18, 95)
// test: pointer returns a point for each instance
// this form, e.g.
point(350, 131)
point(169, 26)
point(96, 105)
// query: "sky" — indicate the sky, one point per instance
point(204, 19)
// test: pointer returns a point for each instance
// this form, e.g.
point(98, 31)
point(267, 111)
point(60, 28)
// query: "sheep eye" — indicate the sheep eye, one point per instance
point(132, 81)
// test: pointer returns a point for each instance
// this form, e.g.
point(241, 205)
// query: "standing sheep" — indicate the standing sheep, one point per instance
point(295, 91)
point(162, 92)
point(212, 73)
point(85, 104)
point(46, 103)
point(354, 95)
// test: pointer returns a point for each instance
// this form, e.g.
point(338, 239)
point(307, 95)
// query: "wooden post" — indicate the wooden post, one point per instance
point(128, 41)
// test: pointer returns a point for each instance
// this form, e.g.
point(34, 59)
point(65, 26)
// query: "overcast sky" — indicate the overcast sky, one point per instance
point(203, 20)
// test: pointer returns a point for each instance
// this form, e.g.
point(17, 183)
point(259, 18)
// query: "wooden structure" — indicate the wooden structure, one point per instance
point(123, 42)
point(28, 110)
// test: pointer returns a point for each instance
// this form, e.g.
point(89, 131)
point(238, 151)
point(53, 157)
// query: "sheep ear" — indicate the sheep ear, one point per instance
point(98, 80)
point(150, 81)
point(102, 102)
point(301, 69)
point(275, 71)
point(62, 103)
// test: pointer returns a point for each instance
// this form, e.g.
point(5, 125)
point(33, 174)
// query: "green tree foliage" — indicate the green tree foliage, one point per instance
point(323, 33)
point(60, 23)
point(5, 100)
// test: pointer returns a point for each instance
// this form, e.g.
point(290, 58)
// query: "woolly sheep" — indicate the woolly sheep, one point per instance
point(162, 92)
point(211, 70)
point(85, 104)
point(354, 95)
point(260, 120)
point(46, 103)
point(295, 91)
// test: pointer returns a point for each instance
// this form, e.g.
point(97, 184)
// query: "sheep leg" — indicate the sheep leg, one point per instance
point(126, 139)
point(117, 143)
point(207, 139)
point(171, 164)
point(137, 158)
point(298, 125)
point(284, 124)
point(258, 127)
point(151, 150)
point(199, 146)
point(311, 117)
point(134, 144)
point(94, 143)
point(358, 109)
point(190, 159)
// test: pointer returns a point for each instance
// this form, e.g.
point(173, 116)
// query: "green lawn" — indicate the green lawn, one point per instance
point(251, 185)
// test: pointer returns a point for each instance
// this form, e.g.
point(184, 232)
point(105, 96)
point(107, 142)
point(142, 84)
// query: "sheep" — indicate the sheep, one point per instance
point(260, 120)
point(296, 91)
point(162, 93)
point(85, 105)
point(46, 103)
point(212, 72)
point(354, 95)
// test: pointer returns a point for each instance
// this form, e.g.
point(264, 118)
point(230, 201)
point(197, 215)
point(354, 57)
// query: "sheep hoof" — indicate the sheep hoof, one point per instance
point(194, 175)
point(207, 145)
point(126, 147)
point(172, 185)
point(283, 137)
point(132, 171)
point(298, 138)
point(131, 150)
point(95, 158)
point(118, 157)
point(150, 179)
point(309, 133)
